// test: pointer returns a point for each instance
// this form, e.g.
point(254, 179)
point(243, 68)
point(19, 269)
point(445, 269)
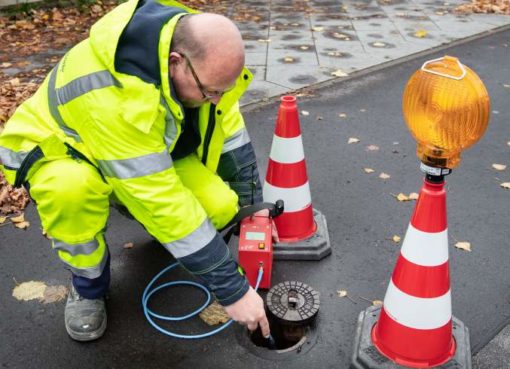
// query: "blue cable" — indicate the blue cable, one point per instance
point(148, 292)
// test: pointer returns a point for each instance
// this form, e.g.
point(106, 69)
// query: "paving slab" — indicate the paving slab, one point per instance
point(362, 215)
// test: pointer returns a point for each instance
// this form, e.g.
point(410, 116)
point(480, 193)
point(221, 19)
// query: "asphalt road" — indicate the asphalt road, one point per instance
point(362, 217)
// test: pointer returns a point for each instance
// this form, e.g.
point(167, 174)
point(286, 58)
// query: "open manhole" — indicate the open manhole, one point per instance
point(292, 309)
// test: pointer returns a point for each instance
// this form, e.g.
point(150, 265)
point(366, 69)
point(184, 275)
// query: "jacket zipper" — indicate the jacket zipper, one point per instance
point(208, 134)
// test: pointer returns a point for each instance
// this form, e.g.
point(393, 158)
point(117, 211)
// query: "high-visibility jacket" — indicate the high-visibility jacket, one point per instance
point(111, 100)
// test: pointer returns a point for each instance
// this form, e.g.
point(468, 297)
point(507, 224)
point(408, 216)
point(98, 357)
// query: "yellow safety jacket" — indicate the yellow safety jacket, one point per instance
point(110, 100)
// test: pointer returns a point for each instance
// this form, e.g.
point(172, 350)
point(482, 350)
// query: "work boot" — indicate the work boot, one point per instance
point(85, 319)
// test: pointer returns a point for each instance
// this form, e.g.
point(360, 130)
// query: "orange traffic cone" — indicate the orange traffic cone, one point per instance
point(414, 328)
point(302, 230)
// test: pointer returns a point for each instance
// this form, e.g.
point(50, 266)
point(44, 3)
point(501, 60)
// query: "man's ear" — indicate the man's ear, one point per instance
point(174, 59)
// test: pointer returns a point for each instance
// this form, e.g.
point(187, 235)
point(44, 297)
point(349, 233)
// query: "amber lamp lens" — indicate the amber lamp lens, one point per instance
point(446, 107)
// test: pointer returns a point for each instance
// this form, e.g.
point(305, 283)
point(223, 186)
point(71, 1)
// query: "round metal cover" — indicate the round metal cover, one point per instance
point(293, 302)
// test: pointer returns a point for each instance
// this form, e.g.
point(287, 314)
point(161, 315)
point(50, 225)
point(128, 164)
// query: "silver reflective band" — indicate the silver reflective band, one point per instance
point(239, 139)
point(12, 159)
point(170, 127)
point(136, 167)
point(53, 106)
point(86, 248)
point(82, 85)
point(91, 273)
point(193, 242)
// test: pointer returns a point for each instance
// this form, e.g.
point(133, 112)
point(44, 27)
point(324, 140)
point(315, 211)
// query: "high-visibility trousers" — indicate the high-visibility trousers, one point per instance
point(73, 203)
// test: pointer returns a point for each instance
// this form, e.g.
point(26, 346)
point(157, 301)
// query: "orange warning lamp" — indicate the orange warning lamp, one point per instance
point(446, 108)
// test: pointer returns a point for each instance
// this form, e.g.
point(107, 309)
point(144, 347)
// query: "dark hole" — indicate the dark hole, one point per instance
point(285, 336)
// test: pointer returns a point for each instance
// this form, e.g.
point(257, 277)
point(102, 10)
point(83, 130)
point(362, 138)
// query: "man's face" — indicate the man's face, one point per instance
point(197, 83)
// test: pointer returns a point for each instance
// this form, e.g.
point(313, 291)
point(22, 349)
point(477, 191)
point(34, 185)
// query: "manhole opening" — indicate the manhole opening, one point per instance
point(285, 335)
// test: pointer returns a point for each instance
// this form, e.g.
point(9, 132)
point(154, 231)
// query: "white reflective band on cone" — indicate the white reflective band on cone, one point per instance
point(416, 312)
point(294, 199)
point(287, 150)
point(426, 249)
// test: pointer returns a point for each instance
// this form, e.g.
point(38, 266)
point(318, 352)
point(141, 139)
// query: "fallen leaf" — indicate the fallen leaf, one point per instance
point(420, 33)
point(317, 29)
point(342, 115)
point(128, 245)
point(305, 113)
point(377, 303)
point(372, 148)
point(264, 40)
point(499, 166)
point(14, 82)
point(379, 44)
point(339, 73)
point(384, 176)
point(304, 47)
point(22, 225)
point(214, 314)
point(54, 294)
point(288, 59)
point(505, 185)
point(368, 170)
point(396, 239)
point(29, 291)
point(341, 293)
point(5, 65)
point(2, 219)
point(18, 219)
point(466, 246)
point(413, 196)
point(353, 140)
point(402, 197)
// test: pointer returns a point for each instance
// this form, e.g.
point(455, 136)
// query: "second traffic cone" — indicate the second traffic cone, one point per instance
point(415, 323)
point(287, 179)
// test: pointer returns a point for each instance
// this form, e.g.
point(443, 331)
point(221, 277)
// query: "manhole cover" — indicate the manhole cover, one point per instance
point(293, 302)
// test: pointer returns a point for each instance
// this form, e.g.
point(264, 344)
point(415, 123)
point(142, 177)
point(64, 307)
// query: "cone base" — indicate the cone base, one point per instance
point(367, 356)
point(315, 247)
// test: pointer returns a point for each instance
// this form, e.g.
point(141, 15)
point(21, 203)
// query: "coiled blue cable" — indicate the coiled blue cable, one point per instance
point(148, 292)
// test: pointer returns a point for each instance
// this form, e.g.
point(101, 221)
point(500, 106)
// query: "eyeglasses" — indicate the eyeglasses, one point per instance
point(206, 94)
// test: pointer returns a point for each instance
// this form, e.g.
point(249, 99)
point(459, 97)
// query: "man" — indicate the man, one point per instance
point(144, 113)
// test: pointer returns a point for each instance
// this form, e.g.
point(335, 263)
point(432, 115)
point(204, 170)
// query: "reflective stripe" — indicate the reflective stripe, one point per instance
point(424, 248)
point(77, 249)
point(91, 273)
point(136, 167)
point(287, 150)
point(416, 312)
point(239, 139)
point(84, 84)
point(193, 242)
point(295, 199)
point(12, 159)
point(170, 127)
point(53, 106)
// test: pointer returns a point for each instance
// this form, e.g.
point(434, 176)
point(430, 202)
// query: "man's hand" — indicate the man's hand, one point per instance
point(249, 311)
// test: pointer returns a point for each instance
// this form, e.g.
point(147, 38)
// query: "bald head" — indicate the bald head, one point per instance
point(212, 41)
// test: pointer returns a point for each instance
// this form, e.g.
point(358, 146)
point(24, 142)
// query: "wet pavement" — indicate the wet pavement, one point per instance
point(360, 208)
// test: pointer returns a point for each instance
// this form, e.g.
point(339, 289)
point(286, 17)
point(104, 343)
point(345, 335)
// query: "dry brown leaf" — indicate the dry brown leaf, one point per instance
point(384, 176)
point(128, 245)
point(14, 82)
point(29, 291)
point(54, 294)
point(22, 225)
point(339, 73)
point(402, 197)
point(499, 167)
point(353, 140)
point(466, 246)
point(505, 185)
point(377, 303)
point(396, 239)
point(18, 219)
point(413, 196)
point(305, 113)
point(372, 148)
point(5, 65)
point(214, 314)
point(368, 170)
